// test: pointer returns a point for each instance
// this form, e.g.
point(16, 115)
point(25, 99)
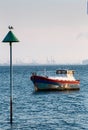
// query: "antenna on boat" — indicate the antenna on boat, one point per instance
point(45, 71)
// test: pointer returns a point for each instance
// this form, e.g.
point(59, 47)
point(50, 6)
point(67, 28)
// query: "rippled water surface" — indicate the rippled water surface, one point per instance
point(32, 110)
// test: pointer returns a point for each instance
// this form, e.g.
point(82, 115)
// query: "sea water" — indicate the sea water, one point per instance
point(54, 110)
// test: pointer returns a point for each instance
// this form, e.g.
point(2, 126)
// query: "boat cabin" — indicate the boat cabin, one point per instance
point(65, 72)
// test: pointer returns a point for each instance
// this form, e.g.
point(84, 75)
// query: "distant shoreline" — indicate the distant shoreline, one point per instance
point(41, 64)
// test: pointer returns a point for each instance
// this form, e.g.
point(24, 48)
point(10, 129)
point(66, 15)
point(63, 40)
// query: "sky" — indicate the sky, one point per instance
point(50, 31)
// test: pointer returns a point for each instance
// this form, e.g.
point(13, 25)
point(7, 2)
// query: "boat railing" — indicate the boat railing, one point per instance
point(44, 73)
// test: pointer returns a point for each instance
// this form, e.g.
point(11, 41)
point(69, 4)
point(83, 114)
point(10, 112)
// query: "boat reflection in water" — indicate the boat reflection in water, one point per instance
point(62, 80)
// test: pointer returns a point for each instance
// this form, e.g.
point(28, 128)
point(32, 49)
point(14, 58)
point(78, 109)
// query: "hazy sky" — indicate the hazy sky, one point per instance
point(47, 30)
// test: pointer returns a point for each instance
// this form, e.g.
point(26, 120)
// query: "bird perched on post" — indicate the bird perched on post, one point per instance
point(10, 27)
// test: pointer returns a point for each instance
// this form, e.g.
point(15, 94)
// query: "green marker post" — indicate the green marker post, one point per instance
point(10, 37)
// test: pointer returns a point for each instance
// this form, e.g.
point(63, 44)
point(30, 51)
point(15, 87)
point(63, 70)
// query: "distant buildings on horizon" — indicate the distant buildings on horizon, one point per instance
point(85, 62)
point(48, 62)
point(44, 63)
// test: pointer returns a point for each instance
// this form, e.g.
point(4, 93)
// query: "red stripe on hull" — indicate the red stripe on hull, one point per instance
point(34, 78)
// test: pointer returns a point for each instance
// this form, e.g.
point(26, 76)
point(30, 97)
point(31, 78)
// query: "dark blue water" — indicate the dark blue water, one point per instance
point(43, 110)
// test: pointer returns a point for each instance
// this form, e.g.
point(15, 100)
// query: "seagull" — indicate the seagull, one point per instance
point(10, 27)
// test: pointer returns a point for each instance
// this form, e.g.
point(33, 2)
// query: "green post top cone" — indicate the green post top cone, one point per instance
point(10, 37)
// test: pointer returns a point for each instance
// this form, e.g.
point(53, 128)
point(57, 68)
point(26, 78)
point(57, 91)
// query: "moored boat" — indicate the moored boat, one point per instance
point(64, 80)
